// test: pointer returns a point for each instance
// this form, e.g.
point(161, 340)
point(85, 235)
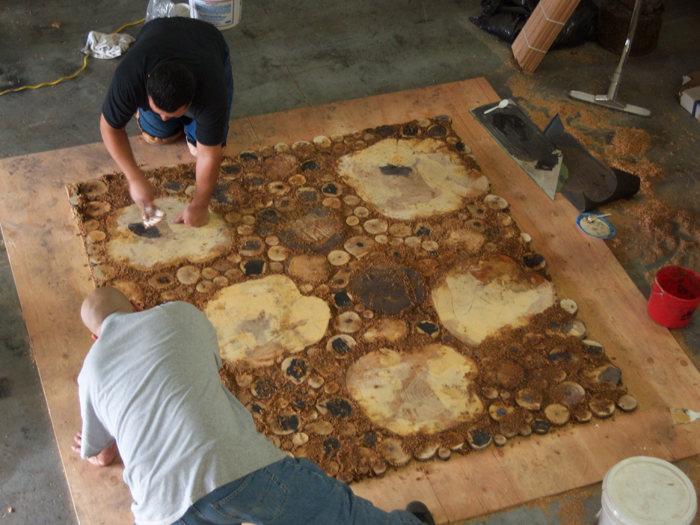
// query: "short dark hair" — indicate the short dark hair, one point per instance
point(171, 86)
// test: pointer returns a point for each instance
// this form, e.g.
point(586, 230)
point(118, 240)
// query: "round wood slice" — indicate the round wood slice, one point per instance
point(393, 452)
point(399, 229)
point(412, 241)
point(505, 220)
point(627, 403)
point(430, 246)
point(529, 399)
point(557, 414)
point(593, 347)
point(188, 274)
point(444, 453)
point(361, 211)
point(576, 328)
point(351, 200)
point(608, 374)
point(379, 467)
point(568, 393)
point(583, 415)
point(601, 408)
point(375, 226)
point(495, 202)
point(315, 381)
point(340, 345)
point(322, 428)
point(278, 253)
point(205, 286)
point(162, 280)
point(331, 387)
point(569, 306)
point(338, 257)
point(309, 268)
point(489, 392)
point(359, 246)
point(427, 451)
point(348, 322)
point(295, 369)
point(209, 273)
point(478, 438)
point(500, 440)
point(499, 410)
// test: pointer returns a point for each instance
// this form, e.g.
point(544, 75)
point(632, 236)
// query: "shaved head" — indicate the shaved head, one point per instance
point(101, 303)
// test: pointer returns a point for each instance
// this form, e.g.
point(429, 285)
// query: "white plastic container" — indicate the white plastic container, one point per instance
point(643, 490)
point(221, 13)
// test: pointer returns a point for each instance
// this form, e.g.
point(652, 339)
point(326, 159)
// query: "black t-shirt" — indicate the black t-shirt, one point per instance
point(195, 44)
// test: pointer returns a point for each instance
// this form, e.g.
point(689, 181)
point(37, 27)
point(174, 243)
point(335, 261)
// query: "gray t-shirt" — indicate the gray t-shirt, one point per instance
point(151, 383)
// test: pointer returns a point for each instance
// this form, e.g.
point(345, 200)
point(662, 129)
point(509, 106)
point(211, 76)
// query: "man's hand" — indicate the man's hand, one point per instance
point(104, 458)
point(142, 193)
point(194, 215)
point(206, 174)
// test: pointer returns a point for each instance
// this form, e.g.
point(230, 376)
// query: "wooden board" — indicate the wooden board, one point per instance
point(51, 274)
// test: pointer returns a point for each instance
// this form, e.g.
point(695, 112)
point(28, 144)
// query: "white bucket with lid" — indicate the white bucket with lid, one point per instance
point(644, 490)
point(221, 13)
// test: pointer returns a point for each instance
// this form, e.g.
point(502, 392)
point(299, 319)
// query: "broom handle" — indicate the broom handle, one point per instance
point(615, 83)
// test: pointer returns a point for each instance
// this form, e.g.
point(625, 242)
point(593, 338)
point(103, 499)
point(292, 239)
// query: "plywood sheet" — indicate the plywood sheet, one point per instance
point(51, 277)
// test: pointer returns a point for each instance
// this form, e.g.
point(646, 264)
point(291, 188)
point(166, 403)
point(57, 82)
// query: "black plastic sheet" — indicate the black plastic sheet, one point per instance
point(505, 19)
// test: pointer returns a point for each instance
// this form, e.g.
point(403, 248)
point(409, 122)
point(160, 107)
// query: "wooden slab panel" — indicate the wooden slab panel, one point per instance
point(50, 270)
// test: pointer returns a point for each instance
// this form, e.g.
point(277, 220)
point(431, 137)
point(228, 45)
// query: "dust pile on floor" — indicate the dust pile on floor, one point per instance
point(375, 303)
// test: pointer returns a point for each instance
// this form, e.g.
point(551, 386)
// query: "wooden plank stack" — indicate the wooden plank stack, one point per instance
point(540, 30)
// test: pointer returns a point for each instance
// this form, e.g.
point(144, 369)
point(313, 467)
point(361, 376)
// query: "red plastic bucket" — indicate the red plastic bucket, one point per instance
point(674, 296)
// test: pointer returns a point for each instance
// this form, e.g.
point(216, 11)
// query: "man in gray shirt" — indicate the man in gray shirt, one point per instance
point(191, 452)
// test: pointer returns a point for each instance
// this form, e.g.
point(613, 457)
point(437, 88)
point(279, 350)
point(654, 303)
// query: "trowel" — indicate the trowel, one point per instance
point(152, 216)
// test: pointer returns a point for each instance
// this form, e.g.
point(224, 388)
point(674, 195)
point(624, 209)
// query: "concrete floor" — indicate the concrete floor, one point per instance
point(287, 55)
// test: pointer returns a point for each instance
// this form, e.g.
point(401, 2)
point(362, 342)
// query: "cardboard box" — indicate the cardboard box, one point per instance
point(689, 94)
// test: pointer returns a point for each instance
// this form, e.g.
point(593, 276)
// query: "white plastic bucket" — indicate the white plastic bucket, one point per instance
point(222, 13)
point(643, 490)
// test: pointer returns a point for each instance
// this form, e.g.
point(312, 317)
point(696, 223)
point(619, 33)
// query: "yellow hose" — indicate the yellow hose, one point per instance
point(22, 88)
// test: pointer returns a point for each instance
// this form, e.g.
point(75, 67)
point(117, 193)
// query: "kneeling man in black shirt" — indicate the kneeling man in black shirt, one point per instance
point(176, 77)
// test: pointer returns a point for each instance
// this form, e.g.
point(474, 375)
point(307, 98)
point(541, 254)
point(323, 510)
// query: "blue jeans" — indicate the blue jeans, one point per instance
point(289, 492)
point(152, 124)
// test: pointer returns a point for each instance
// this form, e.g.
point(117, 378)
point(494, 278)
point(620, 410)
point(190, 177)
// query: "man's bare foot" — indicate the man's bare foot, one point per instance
point(192, 148)
point(150, 139)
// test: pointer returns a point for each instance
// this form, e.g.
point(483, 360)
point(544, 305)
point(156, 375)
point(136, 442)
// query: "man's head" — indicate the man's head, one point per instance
point(170, 87)
point(101, 303)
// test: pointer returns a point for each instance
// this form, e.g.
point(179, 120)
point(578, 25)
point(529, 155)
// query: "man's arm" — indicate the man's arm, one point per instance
point(207, 173)
point(94, 442)
point(117, 144)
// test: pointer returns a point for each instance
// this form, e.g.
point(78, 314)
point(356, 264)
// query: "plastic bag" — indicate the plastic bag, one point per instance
point(505, 19)
point(580, 27)
point(167, 8)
